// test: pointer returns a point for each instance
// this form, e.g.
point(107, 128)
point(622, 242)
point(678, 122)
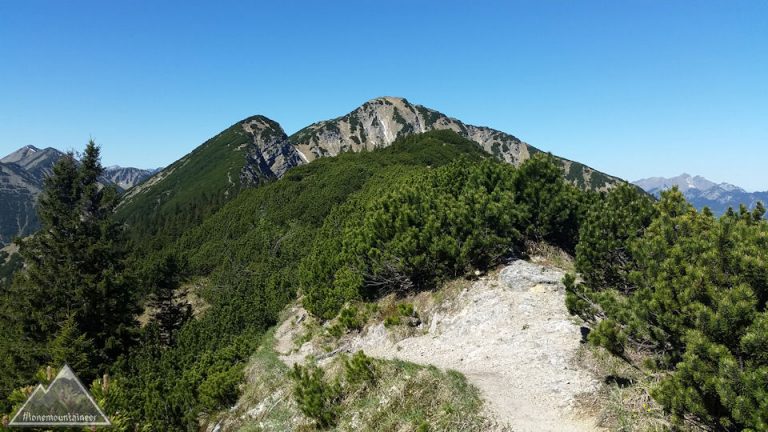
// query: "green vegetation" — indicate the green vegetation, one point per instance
point(166, 300)
point(360, 392)
point(190, 189)
point(250, 251)
point(685, 290)
point(255, 251)
point(438, 224)
point(432, 203)
point(317, 398)
point(73, 302)
point(8, 266)
point(689, 292)
point(403, 310)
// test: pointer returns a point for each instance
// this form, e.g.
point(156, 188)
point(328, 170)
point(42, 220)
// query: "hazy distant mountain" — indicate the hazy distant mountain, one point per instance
point(704, 193)
point(127, 177)
point(21, 180)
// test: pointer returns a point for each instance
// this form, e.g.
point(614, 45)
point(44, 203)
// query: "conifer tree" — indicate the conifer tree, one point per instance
point(603, 254)
point(75, 270)
point(552, 207)
point(71, 347)
point(698, 303)
point(171, 310)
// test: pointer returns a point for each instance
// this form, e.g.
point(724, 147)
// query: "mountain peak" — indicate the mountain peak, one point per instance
point(684, 182)
point(20, 154)
point(388, 99)
point(29, 148)
point(380, 121)
point(702, 192)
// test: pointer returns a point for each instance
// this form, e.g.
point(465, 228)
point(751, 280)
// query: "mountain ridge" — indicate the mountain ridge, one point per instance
point(257, 150)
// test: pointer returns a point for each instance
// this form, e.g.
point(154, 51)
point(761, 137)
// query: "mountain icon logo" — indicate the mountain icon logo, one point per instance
point(64, 403)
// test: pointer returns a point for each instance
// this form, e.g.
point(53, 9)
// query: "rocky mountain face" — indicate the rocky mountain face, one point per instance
point(22, 174)
point(684, 182)
point(269, 154)
point(379, 122)
point(36, 162)
point(21, 181)
point(701, 192)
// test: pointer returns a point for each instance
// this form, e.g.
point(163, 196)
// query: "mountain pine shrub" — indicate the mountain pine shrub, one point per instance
point(317, 399)
point(360, 370)
point(436, 225)
point(692, 289)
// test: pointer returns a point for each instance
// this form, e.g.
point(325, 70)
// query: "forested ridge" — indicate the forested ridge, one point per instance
point(685, 289)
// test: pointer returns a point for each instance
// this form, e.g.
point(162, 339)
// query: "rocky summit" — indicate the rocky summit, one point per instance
point(379, 122)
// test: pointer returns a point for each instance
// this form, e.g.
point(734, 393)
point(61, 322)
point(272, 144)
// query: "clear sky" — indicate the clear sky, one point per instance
point(633, 88)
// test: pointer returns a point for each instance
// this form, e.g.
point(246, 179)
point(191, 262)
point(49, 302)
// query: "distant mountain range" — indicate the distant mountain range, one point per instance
point(21, 180)
point(704, 193)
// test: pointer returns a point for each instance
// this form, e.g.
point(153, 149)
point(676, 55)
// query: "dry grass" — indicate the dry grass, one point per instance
point(623, 403)
point(411, 397)
point(405, 397)
point(546, 254)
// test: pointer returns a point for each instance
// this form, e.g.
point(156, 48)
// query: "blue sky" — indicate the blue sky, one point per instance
point(633, 88)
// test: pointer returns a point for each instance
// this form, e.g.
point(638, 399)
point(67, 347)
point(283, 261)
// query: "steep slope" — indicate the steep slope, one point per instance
point(378, 122)
point(34, 161)
point(21, 180)
point(18, 190)
point(249, 254)
point(247, 153)
point(701, 192)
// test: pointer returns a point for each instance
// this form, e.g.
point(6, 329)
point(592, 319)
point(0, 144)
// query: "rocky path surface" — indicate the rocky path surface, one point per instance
point(512, 337)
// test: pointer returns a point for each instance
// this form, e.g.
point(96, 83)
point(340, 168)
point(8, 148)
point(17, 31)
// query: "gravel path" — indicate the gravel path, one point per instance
point(512, 337)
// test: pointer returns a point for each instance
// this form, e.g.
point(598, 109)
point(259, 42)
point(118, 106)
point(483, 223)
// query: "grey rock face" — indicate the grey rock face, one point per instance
point(379, 122)
point(127, 177)
point(269, 153)
point(684, 182)
point(21, 180)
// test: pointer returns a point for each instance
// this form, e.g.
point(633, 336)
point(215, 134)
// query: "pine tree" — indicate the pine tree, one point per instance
point(552, 206)
point(71, 347)
point(75, 264)
point(171, 310)
point(603, 254)
point(698, 299)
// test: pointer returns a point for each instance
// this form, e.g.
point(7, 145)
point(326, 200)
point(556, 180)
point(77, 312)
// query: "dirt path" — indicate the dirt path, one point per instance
point(511, 336)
